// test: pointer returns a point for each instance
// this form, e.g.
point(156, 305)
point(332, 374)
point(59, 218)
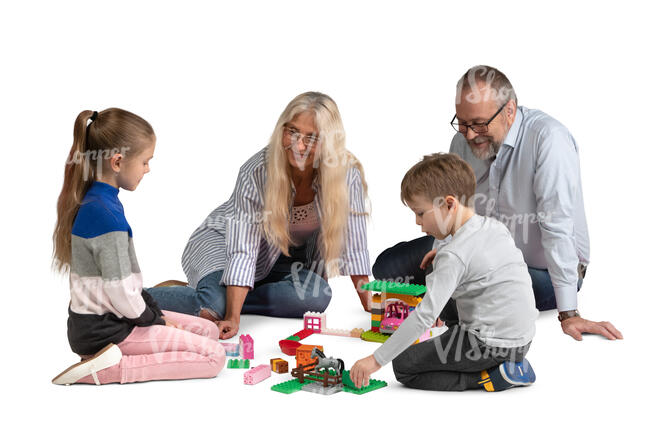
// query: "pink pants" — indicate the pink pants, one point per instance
point(166, 353)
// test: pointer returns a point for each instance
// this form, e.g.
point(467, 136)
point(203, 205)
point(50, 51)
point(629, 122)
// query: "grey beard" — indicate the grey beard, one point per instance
point(490, 153)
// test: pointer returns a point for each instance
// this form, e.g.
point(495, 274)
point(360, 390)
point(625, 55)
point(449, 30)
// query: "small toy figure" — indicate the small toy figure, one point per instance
point(327, 362)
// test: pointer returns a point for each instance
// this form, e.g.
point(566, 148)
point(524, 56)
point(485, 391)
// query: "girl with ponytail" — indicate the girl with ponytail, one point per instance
point(115, 326)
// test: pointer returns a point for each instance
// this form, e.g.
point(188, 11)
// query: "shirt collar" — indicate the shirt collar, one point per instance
point(104, 189)
point(511, 137)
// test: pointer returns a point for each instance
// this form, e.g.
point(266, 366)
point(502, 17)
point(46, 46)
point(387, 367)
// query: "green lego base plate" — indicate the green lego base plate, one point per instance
point(289, 387)
point(395, 288)
point(375, 337)
point(348, 385)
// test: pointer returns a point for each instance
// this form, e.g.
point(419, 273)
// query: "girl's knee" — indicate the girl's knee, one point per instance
point(216, 355)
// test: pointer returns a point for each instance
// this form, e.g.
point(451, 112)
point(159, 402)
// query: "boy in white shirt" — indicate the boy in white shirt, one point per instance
point(481, 277)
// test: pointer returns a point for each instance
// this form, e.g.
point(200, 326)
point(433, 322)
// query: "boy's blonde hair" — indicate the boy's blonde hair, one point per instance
point(440, 175)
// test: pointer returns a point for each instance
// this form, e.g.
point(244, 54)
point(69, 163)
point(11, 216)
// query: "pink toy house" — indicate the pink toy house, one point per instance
point(246, 347)
point(314, 321)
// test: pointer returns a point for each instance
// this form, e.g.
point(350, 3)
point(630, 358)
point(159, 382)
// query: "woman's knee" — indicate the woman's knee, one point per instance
point(319, 296)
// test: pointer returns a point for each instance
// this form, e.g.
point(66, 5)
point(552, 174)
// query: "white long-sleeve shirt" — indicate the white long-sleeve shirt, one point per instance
point(483, 270)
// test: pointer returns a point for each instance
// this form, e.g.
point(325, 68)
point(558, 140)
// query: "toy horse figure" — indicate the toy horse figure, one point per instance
point(327, 362)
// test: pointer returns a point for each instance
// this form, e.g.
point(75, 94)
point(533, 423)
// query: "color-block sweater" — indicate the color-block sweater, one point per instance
point(106, 296)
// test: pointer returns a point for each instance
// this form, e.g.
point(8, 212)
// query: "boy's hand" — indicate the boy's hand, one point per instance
point(428, 258)
point(227, 328)
point(360, 372)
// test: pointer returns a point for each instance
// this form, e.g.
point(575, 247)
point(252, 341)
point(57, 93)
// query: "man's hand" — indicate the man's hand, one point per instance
point(576, 326)
point(428, 258)
point(360, 372)
point(227, 328)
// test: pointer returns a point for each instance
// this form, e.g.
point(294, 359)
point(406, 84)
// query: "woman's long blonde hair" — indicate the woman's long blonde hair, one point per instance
point(331, 165)
point(111, 131)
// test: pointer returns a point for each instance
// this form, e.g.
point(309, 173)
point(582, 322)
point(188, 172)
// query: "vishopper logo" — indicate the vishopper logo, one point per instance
point(487, 92)
point(179, 345)
point(312, 283)
point(455, 350)
point(95, 158)
point(519, 224)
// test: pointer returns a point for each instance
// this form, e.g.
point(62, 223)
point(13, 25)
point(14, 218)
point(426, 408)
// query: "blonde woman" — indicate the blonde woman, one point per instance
point(297, 215)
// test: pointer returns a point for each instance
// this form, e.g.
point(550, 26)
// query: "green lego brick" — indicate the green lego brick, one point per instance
point(238, 364)
point(375, 323)
point(374, 337)
point(348, 385)
point(293, 337)
point(395, 288)
point(289, 387)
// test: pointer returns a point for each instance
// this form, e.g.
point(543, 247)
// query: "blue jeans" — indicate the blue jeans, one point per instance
point(401, 263)
point(280, 294)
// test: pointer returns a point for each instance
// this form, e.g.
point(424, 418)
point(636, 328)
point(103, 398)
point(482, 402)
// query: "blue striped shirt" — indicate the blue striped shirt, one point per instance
point(232, 238)
point(533, 186)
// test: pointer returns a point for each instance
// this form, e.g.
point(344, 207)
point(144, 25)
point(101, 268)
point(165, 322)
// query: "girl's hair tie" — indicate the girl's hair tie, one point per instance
point(94, 115)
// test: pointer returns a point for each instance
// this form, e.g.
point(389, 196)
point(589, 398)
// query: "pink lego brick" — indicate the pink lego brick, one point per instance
point(246, 347)
point(340, 332)
point(257, 374)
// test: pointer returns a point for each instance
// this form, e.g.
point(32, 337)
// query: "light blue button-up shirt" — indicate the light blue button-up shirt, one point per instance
point(533, 186)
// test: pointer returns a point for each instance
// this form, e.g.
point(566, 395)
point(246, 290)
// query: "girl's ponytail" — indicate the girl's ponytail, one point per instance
point(97, 137)
point(79, 175)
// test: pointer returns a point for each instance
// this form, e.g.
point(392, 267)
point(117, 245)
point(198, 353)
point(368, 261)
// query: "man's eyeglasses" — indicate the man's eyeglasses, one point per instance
point(477, 128)
point(295, 136)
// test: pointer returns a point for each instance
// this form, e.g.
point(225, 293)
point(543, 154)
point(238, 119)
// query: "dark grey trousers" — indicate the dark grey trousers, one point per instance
point(452, 361)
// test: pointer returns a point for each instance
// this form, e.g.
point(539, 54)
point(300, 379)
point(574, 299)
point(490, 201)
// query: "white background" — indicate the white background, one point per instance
point(212, 80)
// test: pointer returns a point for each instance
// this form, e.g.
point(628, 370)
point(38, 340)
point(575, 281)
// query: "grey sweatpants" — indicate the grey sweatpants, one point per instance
point(452, 361)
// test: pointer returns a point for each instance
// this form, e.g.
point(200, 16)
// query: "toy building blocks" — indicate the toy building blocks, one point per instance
point(304, 355)
point(238, 363)
point(325, 376)
point(348, 385)
point(257, 374)
point(390, 307)
point(314, 323)
point(246, 347)
point(279, 365)
point(325, 372)
point(232, 349)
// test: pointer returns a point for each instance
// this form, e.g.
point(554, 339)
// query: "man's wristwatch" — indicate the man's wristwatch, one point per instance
point(568, 314)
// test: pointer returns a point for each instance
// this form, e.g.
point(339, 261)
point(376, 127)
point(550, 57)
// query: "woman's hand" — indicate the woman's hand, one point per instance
point(360, 372)
point(428, 258)
point(365, 297)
